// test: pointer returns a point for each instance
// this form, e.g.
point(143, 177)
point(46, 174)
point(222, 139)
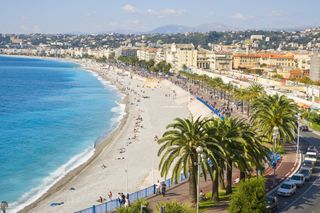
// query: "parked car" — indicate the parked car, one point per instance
point(271, 203)
point(298, 179)
point(311, 156)
point(308, 163)
point(287, 188)
point(312, 149)
point(306, 171)
point(304, 128)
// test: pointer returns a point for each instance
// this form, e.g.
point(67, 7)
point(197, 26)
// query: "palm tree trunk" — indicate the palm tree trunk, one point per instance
point(229, 178)
point(193, 184)
point(242, 175)
point(242, 106)
point(222, 185)
point(215, 186)
point(248, 107)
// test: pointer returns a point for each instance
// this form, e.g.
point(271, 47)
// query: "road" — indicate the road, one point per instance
point(307, 198)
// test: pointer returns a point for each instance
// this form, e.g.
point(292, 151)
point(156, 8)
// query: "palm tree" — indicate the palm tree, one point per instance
point(253, 92)
point(242, 148)
point(241, 95)
point(217, 155)
point(276, 110)
point(178, 150)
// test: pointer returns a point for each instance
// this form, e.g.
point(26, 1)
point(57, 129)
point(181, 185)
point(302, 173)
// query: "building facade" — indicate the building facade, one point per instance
point(147, 54)
point(284, 61)
point(315, 68)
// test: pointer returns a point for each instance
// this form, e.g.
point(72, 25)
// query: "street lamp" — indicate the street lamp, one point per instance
point(202, 155)
point(3, 206)
point(275, 136)
point(154, 140)
point(298, 136)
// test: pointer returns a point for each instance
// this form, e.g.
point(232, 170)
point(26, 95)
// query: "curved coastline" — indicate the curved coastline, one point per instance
point(90, 179)
point(98, 147)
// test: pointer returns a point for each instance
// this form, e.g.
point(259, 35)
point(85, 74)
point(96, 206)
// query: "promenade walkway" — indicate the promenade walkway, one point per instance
point(285, 168)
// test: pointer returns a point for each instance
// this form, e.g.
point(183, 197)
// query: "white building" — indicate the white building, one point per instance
point(315, 68)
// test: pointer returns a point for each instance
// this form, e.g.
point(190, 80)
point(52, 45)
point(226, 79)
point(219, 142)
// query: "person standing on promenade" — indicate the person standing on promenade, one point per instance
point(158, 185)
point(127, 201)
point(163, 188)
point(110, 195)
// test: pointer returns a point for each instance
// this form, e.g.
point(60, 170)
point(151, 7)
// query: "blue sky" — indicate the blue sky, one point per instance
point(91, 16)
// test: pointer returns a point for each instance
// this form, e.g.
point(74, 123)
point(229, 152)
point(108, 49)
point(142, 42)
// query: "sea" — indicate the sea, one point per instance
point(52, 113)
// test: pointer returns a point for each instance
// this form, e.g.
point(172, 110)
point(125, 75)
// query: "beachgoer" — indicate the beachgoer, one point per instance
point(123, 199)
point(202, 195)
point(163, 188)
point(120, 199)
point(127, 201)
point(158, 187)
point(110, 195)
point(101, 199)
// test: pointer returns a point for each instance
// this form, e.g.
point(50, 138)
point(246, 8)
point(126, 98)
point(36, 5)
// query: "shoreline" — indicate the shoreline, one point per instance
point(98, 147)
point(117, 77)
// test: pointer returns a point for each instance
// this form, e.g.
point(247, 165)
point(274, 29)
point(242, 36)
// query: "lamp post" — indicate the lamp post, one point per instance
point(155, 140)
point(3, 206)
point(298, 136)
point(201, 155)
point(275, 136)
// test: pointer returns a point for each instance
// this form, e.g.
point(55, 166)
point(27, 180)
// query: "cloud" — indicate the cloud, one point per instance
point(164, 12)
point(152, 12)
point(128, 8)
point(170, 11)
point(275, 13)
point(241, 17)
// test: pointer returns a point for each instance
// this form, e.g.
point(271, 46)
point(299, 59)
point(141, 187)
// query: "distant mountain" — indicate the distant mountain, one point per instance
point(172, 28)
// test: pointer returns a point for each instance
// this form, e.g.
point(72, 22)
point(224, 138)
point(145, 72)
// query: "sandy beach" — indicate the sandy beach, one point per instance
point(150, 105)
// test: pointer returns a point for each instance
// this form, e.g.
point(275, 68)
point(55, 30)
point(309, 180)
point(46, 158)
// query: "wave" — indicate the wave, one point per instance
point(119, 112)
point(52, 179)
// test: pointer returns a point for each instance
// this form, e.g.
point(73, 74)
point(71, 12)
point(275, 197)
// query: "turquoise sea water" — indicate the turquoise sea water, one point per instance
point(51, 114)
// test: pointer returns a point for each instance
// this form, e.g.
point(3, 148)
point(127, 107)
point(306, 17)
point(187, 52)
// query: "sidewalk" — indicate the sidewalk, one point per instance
point(180, 193)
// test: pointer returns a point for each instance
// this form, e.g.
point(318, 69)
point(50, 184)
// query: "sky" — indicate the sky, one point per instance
point(96, 16)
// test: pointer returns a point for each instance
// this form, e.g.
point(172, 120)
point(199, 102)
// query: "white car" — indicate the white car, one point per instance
point(308, 163)
point(306, 171)
point(298, 179)
point(287, 188)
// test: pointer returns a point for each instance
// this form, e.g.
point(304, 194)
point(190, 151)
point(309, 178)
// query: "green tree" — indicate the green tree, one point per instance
point(178, 150)
point(253, 92)
point(276, 110)
point(250, 197)
point(135, 207)
point(174, 207)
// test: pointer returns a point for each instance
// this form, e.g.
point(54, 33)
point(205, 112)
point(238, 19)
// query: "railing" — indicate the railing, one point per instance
point(112, 205)
point(216, 111)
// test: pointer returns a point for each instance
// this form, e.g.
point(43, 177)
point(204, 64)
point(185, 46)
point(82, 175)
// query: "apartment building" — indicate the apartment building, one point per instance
point(147, 54)
point(315, 67)
point(126, 51)
point(284, 61)
point(205, 59)
point(302, 60)
point(180, 55)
